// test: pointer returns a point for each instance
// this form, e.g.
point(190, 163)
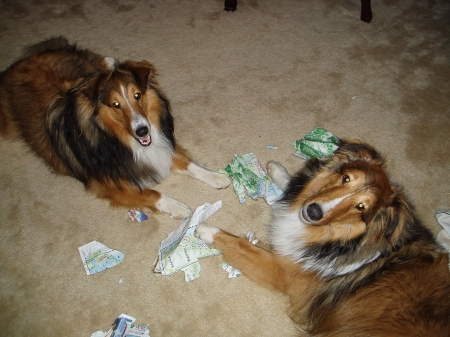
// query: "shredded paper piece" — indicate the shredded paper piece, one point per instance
point(443, 237)
point(443, 217)
point(316, 144)
point(181, 249)
point(137, 216)
point(97, 257)
point(232, 273)
point(249, 177)
point(123, 326)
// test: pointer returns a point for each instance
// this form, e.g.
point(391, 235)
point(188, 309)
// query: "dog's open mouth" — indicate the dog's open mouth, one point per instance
point(145, 141)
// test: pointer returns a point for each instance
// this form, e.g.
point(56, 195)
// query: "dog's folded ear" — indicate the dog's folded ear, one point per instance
point(143, 72)
point(395, 220)
point(355, 150)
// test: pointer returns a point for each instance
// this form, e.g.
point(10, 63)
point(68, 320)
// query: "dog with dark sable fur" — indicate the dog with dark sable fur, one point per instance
point(348, 250)
point(106, 123)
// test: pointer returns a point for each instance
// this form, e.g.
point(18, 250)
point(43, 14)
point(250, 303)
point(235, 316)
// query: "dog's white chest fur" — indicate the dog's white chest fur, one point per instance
point(158, 155)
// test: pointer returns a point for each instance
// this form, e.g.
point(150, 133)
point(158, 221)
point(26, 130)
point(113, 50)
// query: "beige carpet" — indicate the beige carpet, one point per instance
point(266, 74)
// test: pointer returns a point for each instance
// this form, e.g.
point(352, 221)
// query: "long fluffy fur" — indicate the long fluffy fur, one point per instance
point(104, 122)
point(75, 139)
point(349, 251)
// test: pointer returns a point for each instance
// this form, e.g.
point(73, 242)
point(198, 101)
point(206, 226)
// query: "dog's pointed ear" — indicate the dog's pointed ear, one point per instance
point(143, 72)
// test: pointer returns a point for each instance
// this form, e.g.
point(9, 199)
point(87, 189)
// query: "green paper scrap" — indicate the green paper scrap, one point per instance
point(316, 144)
point(249, 178)
point(181, 249)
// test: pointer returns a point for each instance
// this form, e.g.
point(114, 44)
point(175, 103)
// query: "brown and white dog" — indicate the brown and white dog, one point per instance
point(348, 250)
point(106, 123)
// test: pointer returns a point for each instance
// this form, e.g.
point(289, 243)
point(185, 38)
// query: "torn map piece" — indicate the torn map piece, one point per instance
point(181, 249)
point(249, 178)
point(123, 326)
point(137, 216)
point(316, 144)
point(97, 257)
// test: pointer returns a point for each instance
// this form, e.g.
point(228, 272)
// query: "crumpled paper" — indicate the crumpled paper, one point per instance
point(316, 144)
point(137, 216)
point(181, 249)
point(249, 178)
point(443, 237)
point(97, 257)
point(123, 326)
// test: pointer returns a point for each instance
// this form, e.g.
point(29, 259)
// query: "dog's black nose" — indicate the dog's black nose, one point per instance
point(314, 212)
point(142, 131)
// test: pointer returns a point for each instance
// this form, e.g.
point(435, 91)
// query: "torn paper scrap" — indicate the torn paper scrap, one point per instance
point(316, 144)
point(123, 326)
point(443, 237)
point(273, 194)
point(137, 215)
point(97, 257)
point(249, 178)
point(443, 217)
point(181, 249)
point(444, 240)
point(232, 273)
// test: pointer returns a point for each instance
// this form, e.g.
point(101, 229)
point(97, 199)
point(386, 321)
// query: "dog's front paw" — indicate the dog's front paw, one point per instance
point(206, 233)
point(278, 174)
point(218, 180)
point(213, 179)
point(173, 207)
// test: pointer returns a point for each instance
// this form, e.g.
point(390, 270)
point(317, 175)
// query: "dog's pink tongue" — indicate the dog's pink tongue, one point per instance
point(145, 140)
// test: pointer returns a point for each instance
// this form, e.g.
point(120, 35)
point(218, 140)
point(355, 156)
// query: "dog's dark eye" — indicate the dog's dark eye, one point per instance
point(345, 178)
point(360, 207)
point(137, 96)
point(116, 105)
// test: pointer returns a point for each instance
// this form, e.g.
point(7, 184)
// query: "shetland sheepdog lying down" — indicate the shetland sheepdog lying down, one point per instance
point(348, 251)
point(104, 122)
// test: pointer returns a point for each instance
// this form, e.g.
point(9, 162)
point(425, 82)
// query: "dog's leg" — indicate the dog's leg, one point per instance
point(183, 164)
point(131, 197)
point(256, 263)
point(278, 174)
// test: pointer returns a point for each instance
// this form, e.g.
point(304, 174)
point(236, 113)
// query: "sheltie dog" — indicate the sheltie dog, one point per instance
point(104, 122)
point(348, 250)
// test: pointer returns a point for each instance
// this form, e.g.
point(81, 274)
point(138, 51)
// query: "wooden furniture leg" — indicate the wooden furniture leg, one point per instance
point(230, 5)
point(366, 11)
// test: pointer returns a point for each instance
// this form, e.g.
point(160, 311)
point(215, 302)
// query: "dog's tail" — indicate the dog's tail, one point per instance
point(54, 43)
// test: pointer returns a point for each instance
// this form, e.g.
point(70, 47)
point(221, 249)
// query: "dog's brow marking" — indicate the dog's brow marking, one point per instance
point(135, 117)
point(122, 88)
point(332, 203)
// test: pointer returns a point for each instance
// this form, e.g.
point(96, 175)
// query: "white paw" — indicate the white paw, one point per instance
point(206, 233)
point(278, 174)
point(173, 207)
point(213, 179)
point(217, 180)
